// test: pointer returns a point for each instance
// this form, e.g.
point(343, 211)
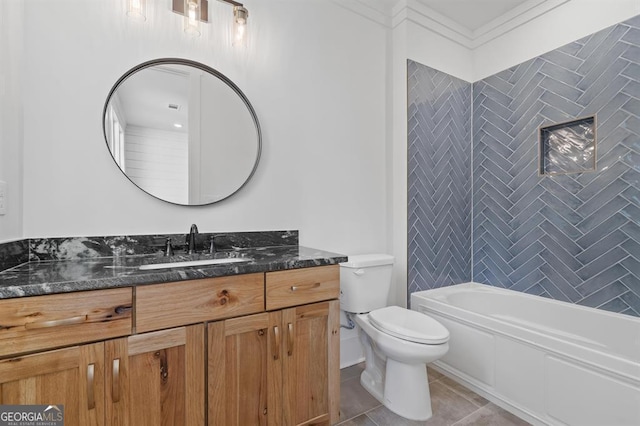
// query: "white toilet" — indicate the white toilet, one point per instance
point(397, 342)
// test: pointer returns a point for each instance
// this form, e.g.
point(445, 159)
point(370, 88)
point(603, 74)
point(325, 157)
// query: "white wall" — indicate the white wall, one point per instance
point(314, 72)
point(11, 116)
point(564, 24)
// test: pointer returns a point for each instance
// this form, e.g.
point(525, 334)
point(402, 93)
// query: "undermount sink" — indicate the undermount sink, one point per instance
point(203, 262)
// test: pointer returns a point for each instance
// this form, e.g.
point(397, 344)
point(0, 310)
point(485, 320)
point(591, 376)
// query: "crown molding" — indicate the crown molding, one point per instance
point(417, 13)
point(373, 10)
point(514, 18)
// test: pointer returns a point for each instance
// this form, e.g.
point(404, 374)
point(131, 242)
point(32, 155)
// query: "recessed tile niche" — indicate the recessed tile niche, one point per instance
point(568, 147)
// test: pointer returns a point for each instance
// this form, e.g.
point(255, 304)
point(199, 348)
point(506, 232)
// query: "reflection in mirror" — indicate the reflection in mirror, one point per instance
point(182, 131)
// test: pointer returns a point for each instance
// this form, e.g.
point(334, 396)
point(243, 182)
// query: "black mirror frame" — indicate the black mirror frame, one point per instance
point(205, 68)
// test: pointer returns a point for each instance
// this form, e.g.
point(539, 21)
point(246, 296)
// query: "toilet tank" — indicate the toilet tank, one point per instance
point(365, 280)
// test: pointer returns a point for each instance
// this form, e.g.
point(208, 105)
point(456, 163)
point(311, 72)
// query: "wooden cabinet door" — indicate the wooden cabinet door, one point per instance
point(73, 377)
point(310, 368)
point(157, 378)
point(239, 372)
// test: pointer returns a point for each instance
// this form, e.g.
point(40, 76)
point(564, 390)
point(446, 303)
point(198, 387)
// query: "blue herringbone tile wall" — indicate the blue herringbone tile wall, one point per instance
point(573, 237)
point(439, 213)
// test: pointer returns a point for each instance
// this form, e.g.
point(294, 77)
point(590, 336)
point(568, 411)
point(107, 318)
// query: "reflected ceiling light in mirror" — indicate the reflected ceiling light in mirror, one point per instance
point(137, 10)
point(177, 125)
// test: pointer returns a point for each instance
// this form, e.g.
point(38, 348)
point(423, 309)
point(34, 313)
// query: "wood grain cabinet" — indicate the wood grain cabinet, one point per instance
point(28, 324)
point(255, 349)
point(279, 367)
point(73, 377)
point(239, 377)
point(156, 378)
point(310, 364)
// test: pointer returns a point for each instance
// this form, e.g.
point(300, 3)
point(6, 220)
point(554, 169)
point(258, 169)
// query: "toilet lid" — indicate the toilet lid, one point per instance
point(409, 325)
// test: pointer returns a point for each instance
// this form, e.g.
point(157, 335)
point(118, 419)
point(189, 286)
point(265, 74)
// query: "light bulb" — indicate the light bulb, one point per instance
point(136, 10)
point(191, 23)
point(240, 17)
point(193, 8)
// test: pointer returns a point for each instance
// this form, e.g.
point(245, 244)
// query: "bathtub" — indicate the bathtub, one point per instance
point(549, 362)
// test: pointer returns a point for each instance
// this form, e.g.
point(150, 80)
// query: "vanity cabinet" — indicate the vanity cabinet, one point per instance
point(279, 367)
point(146, 379)
point(239, 375)
point(310, 364)
point(258, 349)
point(156, 378)
point(188, 302)
point(73, 377)
point(28, 324)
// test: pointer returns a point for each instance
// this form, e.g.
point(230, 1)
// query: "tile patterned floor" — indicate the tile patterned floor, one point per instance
point(453, 405)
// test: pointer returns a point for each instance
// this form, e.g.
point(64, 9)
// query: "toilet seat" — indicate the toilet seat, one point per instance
point(409, 325)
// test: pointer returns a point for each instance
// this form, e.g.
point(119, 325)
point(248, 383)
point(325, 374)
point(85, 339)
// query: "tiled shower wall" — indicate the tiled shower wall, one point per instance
point(439, 178)
point(573, 237)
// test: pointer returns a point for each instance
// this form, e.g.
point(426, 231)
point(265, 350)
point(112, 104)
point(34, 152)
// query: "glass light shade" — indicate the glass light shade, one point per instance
point(240, 18)
point(191, 21)
point(137, 10)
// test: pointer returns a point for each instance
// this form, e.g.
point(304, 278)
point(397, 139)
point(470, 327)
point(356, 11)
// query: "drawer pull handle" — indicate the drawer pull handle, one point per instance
point(304, 286)
point(290, 339)
point(115, 381)
point(91, 395)
point(56, 323)
point(276, 344)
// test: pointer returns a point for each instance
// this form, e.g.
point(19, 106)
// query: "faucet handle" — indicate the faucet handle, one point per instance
point(169, 247)
point(212, 244)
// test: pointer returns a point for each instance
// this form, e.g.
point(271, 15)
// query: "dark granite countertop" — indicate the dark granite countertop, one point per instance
point(62, 276)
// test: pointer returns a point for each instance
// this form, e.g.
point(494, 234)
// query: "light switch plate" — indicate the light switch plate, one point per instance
point(3, 198)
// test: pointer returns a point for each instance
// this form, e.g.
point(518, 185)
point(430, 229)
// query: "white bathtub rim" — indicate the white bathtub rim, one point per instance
point(608, 363)
point(473, 285)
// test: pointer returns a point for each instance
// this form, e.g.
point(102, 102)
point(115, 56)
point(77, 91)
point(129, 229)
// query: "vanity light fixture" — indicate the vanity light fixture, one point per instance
point(196, 11)
point(137, 10)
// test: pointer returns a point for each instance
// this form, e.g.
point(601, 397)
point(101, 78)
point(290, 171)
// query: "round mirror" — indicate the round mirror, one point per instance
point(182, 132)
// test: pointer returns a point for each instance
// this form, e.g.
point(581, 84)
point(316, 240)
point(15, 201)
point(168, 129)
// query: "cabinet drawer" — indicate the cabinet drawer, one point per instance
point(40, 322)
point(187, 302)
point(301, 286)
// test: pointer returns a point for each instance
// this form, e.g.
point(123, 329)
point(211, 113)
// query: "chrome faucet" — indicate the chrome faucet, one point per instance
point(191, 239)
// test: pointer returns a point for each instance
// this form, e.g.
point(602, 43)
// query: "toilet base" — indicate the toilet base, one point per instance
point(375, 388)
point(406, 390)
